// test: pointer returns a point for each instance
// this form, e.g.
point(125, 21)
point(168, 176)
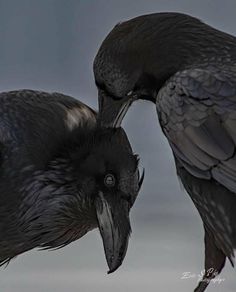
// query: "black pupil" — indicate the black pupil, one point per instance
point(109, 180)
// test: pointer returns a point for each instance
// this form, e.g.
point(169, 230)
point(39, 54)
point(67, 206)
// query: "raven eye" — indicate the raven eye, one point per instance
point(109, 180)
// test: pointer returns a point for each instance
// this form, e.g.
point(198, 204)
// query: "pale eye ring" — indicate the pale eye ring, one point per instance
point(130, 93)
point(109, 180)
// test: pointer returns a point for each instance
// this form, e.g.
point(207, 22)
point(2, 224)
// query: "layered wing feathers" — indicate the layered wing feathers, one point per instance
point(197, 112)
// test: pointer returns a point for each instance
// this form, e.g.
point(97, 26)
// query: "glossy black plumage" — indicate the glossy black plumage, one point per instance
point(55, 176)
point(189, 70)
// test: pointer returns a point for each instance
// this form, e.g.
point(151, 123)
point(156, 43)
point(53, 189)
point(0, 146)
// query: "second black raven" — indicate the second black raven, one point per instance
point(188, 69)
point(62, 176)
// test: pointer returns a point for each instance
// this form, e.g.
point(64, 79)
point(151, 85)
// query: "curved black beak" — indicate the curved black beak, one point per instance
point(112, 111)
point(114, 226)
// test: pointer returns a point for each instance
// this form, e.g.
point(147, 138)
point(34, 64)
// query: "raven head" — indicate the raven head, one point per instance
point(139, 55)
point(92, 181)
point(112, 169)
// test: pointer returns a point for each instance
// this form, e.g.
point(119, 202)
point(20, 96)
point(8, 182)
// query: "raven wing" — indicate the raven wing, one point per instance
point(34, 123)
point(197, 113)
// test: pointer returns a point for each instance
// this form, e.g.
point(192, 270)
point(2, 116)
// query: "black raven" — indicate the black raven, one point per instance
point(188, 69)
point(62, 176)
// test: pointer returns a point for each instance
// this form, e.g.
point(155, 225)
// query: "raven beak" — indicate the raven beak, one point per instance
point(112, 111)
point(114, 226)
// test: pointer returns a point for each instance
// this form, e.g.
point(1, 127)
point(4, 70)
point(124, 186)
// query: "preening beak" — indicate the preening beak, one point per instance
point(112, 111)
point(114, 226)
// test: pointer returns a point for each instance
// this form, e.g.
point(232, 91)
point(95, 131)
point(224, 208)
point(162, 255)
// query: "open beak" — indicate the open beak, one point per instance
point(112, 111)
point(114, 226)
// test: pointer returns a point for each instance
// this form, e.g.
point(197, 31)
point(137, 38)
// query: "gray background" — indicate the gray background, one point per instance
point(50, 45)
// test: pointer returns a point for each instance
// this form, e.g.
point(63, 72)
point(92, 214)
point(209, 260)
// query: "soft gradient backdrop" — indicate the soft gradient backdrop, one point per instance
point(50, 45)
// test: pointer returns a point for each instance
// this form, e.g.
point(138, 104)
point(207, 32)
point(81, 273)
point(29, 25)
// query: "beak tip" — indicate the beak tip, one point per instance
point(113, 265)
point(113, 269)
